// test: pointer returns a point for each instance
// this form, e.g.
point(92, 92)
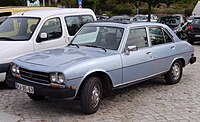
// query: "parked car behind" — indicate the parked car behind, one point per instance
point(144, 18)
point(103, 56)
point(33, 31)
point(193, 34)
point(5, 12)
point(175, 22)
point(121, 18)
point(102, 17)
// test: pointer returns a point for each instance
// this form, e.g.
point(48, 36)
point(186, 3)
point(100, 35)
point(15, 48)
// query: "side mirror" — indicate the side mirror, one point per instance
point(131, 48)
point(43, 35)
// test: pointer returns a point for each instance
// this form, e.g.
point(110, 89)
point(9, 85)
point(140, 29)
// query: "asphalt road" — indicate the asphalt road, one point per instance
point(152, 100)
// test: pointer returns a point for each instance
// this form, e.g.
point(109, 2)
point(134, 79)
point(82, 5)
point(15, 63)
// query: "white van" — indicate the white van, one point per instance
point(37, 30)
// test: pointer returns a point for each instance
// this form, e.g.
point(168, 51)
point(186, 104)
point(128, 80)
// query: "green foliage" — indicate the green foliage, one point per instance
point(12, 2)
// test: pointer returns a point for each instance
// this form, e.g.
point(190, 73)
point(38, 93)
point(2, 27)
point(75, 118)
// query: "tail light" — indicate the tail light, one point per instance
point(190, 27)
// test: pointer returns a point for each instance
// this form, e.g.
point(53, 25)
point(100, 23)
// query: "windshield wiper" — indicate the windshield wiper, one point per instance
point(95, 47)
point(6, 39)
point(73, 45)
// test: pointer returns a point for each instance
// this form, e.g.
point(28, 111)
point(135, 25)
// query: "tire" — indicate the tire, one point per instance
point(191, 42)
point(36, 97)
point(91, 95)
point(175, 73)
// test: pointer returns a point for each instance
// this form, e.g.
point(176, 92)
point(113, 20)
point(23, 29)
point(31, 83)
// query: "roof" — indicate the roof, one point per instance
point(49, 12)
point(123, 24)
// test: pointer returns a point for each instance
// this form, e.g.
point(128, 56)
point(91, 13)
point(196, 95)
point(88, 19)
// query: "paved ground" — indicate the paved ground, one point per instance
point(145, 102)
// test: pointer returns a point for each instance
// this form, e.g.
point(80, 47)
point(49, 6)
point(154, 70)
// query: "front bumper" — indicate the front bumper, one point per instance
point(43, 90)
point(4, 67)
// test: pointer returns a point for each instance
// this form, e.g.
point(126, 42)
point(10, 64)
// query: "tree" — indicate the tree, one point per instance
point(12, 2)
point(153, 3)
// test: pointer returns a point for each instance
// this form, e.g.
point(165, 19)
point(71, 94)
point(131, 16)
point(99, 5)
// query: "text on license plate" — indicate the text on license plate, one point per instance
point(25, 88)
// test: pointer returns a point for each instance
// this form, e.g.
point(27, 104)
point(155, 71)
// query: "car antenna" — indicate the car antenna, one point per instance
point(25, 10)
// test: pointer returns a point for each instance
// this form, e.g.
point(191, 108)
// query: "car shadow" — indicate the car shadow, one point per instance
point(58, 108)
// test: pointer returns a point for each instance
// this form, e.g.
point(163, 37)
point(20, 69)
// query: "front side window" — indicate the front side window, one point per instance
point(101, 36)
point(53, 28)
point(18, 29)
point(156, 35)
point(137, 37)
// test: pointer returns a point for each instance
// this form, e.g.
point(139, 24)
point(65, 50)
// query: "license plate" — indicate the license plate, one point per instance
point(197, 35)
point(25, 88)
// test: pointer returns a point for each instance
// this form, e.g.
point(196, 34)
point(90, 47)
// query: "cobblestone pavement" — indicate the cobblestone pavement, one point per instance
point(152, 100)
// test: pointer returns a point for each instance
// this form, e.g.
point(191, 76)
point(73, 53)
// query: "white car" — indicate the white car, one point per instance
point(33, 31)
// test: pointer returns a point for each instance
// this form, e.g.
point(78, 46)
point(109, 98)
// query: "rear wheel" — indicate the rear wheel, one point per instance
point(190, 41)
point(175, 73)
point(91, 95)
point(36, 97)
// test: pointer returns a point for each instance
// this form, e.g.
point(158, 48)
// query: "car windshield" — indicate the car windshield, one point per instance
point(170, 20)
point(196, 21)
point(100, 36)
point(18, 28)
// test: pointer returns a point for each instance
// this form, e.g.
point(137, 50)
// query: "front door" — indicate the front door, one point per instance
point(137, 64)
point(55, 35)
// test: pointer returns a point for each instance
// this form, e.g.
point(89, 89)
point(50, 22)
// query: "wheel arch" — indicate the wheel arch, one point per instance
point(179, 59)
point(104, 77)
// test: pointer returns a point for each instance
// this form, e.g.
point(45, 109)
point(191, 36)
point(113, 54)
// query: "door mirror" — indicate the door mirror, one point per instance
point(43, 35)
point(131, 48)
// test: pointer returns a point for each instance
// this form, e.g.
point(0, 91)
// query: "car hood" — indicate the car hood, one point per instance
point(64, 56)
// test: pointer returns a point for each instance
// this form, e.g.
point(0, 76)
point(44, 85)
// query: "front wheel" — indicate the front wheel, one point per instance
point(36, 97)
point(91, 95)
point(175, 73)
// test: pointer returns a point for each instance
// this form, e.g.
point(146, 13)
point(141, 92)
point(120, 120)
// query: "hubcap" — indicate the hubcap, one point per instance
point(176, 71)
point(95, 95)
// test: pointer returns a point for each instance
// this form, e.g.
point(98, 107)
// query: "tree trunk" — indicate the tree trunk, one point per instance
point(49, 2)
point(149, 11)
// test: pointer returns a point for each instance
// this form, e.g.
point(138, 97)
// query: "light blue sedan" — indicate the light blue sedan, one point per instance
point(101, 57)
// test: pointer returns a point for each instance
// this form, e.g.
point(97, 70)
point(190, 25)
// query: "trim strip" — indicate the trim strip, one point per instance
point(141, 79)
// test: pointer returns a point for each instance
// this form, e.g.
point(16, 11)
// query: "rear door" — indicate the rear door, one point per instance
point(163, 49)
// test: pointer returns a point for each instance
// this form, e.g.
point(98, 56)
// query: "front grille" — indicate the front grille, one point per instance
point(35, 76)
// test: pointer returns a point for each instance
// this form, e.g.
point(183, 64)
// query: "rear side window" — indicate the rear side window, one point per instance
point(168, 37)
point(156, 35)
point(74, 23)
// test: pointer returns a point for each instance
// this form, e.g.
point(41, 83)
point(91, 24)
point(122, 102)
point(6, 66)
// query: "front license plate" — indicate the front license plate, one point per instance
point(197, 35)
point(25, 88)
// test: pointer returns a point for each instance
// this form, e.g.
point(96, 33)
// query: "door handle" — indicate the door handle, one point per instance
point(172, 47)
point(148, 53)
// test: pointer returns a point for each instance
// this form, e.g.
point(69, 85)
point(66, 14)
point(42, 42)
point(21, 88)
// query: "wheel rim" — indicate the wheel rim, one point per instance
point(176, 71)
point(95, 96)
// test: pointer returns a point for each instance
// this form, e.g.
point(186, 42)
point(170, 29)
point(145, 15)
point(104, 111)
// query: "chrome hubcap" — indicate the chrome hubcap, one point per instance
point(95, 95)
point(176, 71)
